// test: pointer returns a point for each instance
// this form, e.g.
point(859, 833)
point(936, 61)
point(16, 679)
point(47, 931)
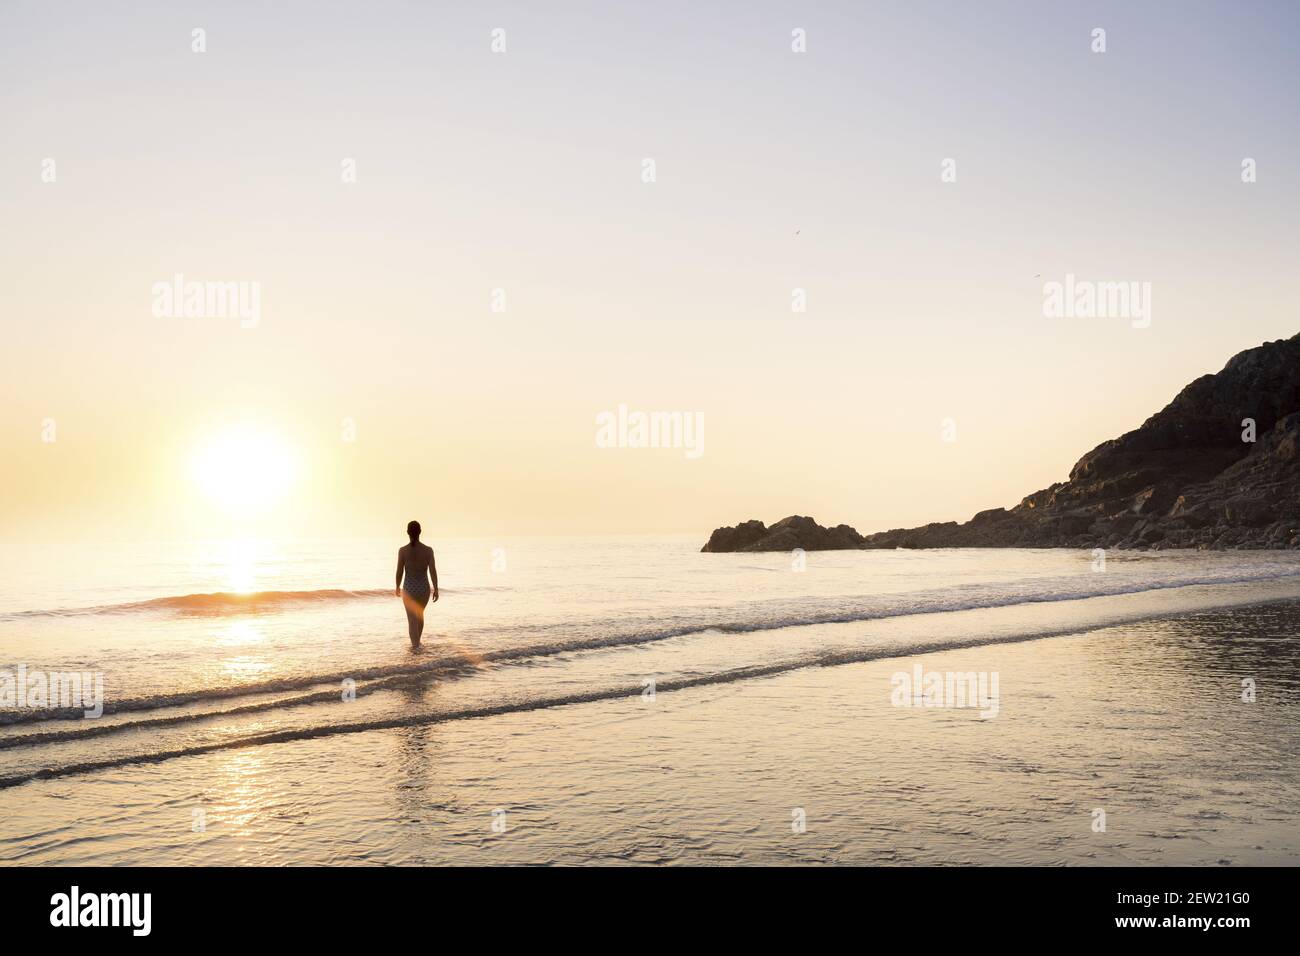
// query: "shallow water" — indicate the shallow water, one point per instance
point(226, 738)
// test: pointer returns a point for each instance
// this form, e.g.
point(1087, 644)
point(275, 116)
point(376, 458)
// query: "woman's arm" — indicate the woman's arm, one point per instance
point(401, 562)
point(433, 573)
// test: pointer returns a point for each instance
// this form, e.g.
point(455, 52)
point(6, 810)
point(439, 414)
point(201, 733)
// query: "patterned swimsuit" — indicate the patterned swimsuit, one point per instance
point(417, 587)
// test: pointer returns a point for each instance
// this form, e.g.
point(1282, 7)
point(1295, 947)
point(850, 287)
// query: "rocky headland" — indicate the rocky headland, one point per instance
point(1190, 477)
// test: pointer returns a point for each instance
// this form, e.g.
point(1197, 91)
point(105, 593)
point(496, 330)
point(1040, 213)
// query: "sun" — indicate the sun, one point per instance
point(244, 468)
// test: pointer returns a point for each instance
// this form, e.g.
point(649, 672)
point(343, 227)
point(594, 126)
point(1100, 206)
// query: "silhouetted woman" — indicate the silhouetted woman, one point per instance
point(416, 560)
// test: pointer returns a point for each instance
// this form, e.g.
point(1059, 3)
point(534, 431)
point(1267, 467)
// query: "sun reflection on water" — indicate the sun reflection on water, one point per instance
point(241, 561)
point(239, 787)
point(245, 667)
point(240, 634)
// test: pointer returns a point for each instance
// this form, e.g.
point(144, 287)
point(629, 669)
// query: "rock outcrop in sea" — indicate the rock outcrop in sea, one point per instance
point(1189, 477)
point(786, 535)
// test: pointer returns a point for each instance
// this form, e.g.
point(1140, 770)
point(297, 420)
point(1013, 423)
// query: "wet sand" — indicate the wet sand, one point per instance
point(1144, 721)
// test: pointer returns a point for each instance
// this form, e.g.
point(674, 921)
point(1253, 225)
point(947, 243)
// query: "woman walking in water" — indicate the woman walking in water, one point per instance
point(416, 560)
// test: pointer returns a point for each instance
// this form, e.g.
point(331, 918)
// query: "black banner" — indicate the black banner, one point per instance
point(305, 905)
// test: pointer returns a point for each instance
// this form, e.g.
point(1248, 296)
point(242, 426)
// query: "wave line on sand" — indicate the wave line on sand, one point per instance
point(616, 640)
point(832, 659)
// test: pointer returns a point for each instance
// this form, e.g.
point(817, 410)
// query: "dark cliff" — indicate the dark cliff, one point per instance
point(1187, 478)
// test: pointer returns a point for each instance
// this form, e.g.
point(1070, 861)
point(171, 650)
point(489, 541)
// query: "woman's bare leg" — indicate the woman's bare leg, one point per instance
point(414, 618)
point(413, 627)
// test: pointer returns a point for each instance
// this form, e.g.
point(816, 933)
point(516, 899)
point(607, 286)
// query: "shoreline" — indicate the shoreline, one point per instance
point(1282, 586)
point(1078, 711)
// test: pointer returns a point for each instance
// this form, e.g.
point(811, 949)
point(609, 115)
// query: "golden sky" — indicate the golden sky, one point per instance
point(522, 171)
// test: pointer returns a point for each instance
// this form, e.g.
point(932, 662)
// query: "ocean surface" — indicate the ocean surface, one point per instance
point(632, 700)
